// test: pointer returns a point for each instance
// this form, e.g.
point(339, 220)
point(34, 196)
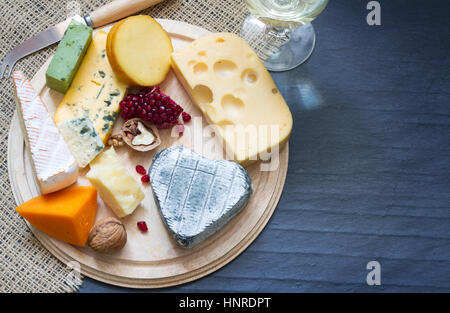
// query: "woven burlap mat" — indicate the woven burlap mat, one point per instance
point(25, 265)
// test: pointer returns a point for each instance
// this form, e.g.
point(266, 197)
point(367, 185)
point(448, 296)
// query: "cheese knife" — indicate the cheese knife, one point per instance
point(104, 15)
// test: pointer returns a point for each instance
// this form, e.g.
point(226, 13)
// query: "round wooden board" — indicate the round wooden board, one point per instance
point(152, 259)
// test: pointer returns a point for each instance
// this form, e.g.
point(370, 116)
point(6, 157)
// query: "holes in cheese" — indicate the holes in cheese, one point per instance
point(202, 94)
point(249, 76)
point(236, 93)
point(200, 68)
point(225, 123)
point(225, 68)
point(232, 106)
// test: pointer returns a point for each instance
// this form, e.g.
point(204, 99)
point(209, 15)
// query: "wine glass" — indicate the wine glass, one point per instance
point(280, 31)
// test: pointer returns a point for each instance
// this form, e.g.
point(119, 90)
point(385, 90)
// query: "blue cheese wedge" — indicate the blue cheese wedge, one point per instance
point(95, 92)
point(197, 196)
point(82, 139)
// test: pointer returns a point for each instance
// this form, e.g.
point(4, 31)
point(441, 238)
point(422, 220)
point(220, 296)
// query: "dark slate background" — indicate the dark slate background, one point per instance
point(369, 159)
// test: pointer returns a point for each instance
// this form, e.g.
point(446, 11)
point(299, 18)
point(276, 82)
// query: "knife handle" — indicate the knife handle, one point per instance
point(116, 10)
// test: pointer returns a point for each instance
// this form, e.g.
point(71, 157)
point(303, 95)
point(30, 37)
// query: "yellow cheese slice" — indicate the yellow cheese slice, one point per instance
point(95, 91)
point(236, 93)
point(116, 187)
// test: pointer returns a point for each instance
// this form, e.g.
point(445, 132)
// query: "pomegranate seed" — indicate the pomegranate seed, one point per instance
point(186, 117)
point(142, 226)
point(145, 178)
point(141, 170)
point(180, 128)
point(153, 106)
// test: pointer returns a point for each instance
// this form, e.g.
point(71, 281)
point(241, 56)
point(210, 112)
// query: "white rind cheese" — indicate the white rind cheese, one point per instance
point(83, 140)
point(54, 165)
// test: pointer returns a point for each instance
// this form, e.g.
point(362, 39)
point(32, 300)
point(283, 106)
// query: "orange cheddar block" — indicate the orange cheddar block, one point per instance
point(67, 215)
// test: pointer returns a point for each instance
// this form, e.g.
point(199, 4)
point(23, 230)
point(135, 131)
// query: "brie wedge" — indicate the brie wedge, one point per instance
point(54, 165)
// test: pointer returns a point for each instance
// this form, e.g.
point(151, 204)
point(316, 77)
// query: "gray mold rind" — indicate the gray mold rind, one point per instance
point(197, 196)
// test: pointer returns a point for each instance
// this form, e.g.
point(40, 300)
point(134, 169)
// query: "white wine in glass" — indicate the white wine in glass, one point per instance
point(280, 31)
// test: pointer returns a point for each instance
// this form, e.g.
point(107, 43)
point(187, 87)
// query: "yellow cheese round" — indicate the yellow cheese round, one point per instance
point(139, 51)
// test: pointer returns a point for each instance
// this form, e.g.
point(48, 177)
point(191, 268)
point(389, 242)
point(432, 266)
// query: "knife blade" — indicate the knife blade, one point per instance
point(106, 14)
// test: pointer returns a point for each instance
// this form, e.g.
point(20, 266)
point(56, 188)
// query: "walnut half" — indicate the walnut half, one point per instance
point(140, 135)
point(107, 235)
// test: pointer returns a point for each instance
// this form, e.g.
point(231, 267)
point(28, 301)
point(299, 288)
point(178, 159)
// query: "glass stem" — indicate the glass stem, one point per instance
point(282, 33)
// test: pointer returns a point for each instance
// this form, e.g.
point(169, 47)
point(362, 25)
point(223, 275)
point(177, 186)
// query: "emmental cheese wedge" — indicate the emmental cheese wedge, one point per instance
point(116, 187)
point(54, 166)
point(67, 215)
point(95, 92)
point(236, 94)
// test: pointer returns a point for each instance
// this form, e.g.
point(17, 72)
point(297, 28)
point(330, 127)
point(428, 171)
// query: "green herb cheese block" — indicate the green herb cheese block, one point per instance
point(69, 53)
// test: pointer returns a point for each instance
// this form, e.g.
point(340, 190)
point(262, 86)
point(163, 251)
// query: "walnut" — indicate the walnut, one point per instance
point(133, 137)
point(115, 140)
point(107, 235)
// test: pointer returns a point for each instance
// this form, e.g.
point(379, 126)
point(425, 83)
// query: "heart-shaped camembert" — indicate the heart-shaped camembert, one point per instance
point(197, 196)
